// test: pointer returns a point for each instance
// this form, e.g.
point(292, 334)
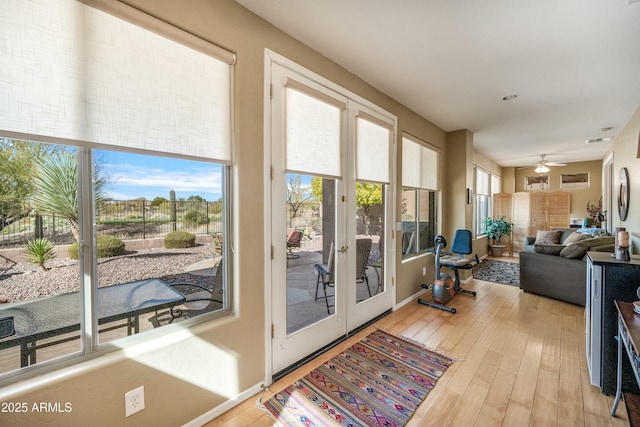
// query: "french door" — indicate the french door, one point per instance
point(336, 277)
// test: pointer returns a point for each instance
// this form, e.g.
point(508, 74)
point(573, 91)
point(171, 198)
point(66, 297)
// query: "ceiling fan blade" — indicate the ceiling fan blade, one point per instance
point(556, 164)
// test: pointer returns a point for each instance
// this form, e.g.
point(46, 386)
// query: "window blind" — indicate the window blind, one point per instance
point(419, 165)
point(482, 182)
point(312, 131)
point(73, 72)
point(373, 145)
point(496, 184)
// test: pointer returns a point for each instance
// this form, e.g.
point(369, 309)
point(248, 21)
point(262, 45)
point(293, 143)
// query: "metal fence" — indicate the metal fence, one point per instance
point(125, 219)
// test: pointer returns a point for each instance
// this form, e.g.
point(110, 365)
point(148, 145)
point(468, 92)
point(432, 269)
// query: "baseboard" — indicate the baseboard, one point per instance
point(411, 299)
point(221, 409)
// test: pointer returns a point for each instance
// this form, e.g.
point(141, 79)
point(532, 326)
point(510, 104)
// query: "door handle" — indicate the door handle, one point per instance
point(343, 249)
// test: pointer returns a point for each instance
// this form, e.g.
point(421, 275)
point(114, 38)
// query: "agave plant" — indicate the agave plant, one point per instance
point(39, 251)
point(56, 188)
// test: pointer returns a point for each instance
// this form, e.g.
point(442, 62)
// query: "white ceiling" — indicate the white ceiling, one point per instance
point(574, 64)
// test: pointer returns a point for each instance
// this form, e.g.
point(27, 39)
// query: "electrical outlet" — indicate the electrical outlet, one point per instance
point(424, 271)
point(134, 401)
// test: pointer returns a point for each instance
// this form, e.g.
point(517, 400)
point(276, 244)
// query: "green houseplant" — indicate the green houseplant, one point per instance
point(495, 229)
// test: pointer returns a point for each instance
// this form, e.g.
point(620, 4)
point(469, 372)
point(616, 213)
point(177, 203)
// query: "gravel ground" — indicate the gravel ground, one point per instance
point(24, 280)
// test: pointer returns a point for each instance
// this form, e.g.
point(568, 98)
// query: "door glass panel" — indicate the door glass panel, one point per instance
point(311, 225)
point(369, 260)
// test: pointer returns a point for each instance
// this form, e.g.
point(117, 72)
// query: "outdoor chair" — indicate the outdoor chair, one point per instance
point(378, 263)
point(326, 276)
point(195, 305)
point(217, 243)
point(293, 241)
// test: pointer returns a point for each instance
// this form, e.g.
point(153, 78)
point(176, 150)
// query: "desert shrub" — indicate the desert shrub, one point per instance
point(107, 246)
point(194, 218)
point(179, 239)
point(39, 251)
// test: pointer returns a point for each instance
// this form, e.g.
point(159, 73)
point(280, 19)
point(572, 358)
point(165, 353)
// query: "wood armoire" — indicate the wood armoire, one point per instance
point(530, 211)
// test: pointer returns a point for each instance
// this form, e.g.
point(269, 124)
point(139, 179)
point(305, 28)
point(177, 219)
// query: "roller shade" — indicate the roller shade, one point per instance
point(419, 165)
point(312, 131)
point(73, 72)
point(373, 145)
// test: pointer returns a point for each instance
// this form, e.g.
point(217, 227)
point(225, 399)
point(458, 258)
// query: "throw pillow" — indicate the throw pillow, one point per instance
point(548, 237)
point(579, 249)
point(575, 237)
point(548, 249)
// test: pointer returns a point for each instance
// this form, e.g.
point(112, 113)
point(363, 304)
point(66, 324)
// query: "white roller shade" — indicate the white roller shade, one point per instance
point(482, 182)
point(419, 165)
point(312, 133)
point(373, 144)
point(73, 72)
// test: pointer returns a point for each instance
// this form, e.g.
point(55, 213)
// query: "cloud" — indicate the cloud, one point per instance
point(126, 181)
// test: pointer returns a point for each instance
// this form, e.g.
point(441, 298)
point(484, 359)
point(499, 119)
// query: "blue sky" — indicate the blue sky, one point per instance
point(130, 176)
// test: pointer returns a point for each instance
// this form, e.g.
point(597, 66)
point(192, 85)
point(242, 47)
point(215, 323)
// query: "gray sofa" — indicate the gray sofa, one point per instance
point(554, 276)
point(559, 271)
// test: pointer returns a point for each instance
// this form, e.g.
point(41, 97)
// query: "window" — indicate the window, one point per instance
point(483, 199)
point(574, 180)
point(536, 183)
point(140, 152)
point(419, 196)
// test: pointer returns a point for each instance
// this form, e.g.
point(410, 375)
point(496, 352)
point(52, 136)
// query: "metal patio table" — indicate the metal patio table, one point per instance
point(56, 315)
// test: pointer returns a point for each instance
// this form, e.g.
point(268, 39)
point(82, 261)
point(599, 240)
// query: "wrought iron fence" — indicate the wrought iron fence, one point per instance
point(125, 219)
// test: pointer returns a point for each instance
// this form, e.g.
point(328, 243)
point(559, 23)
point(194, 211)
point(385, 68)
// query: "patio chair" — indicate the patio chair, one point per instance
point(293, 241)
point(378, 263)
point(326, 275)
point(195, 305)
point(217, 243)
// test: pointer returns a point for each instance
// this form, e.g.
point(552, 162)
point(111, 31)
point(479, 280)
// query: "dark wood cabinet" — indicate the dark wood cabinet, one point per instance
point(608, 280)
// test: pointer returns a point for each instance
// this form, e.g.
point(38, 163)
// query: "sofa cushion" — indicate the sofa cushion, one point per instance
point(549, 249)
point(548, 237)
point(575, 237)
point(579, 249)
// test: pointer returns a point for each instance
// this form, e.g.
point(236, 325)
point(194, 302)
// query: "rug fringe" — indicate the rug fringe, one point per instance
point(264, 409)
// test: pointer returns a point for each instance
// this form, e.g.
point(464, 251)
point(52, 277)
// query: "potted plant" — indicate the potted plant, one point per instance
point(495, 229)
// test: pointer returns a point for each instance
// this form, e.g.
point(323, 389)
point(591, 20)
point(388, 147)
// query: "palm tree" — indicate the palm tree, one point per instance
point(56, 188)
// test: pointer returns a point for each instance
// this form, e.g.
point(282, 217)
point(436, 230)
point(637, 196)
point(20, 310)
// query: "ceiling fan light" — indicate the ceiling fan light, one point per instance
point(542, 169)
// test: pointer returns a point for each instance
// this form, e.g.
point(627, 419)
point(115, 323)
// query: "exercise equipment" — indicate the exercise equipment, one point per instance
point(444, 287)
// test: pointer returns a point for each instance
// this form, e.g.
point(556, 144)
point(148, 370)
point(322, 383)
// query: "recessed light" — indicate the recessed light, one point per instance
point(607, 129)
point(510, 97)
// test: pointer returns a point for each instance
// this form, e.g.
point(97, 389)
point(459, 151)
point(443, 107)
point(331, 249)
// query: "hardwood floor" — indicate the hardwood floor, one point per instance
point(521, 362)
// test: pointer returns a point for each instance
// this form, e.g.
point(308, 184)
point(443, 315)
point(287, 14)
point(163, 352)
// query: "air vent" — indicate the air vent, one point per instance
point(598, 140)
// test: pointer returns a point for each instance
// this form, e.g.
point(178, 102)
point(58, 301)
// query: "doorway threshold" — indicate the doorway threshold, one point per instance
point(327, 347)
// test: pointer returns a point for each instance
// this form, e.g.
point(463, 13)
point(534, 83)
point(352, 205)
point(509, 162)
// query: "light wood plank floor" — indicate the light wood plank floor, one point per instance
point(521, 363)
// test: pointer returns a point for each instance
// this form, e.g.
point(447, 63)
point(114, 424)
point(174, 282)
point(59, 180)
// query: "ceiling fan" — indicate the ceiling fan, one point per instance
point(543, 166)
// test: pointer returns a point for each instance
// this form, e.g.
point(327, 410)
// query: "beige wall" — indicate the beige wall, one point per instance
point(625, 154)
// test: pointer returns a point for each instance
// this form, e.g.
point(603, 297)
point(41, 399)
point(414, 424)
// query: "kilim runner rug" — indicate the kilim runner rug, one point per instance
point(379, 381)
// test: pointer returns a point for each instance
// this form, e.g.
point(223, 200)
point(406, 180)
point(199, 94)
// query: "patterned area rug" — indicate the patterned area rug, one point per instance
point(379, 381)
point(498, 271)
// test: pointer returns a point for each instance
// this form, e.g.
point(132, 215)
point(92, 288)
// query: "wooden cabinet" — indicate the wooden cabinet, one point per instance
point(608, 280)
point(558, 209)
point(535, 211)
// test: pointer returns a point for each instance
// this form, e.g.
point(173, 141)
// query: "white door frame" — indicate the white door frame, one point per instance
point(376, 304)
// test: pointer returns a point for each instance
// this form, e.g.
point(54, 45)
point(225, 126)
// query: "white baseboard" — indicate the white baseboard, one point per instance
point(411, 299)
point(221, 409)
